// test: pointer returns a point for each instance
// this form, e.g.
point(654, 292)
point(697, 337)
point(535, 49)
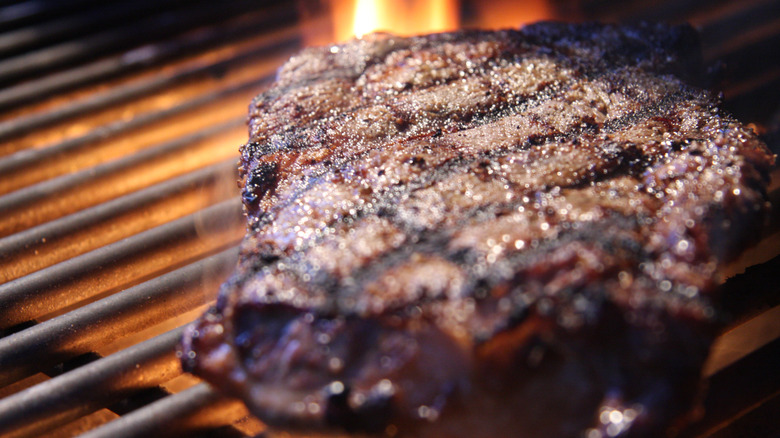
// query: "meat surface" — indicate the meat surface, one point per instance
point(483, 234)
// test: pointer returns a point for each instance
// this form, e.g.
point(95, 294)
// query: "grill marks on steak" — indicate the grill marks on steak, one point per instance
point(458, 234)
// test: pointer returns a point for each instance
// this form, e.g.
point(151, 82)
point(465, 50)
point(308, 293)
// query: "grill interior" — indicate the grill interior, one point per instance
point(119, 127)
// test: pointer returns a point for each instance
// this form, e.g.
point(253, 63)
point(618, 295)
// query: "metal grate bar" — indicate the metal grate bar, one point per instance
point(757, 421)
point(743, 18)
point(141, 57)
point(61, 28)
point(758, 100)
point(18, 13)
point(57, 287)
point(109, 297)
point(28, 158)
point(15, 246)
point(170, 416)
point(82, 330)
point(753, 291)
point(50, 187)
point(733, 390)
point(92, 386)
point(23, 125)
point(160, 25)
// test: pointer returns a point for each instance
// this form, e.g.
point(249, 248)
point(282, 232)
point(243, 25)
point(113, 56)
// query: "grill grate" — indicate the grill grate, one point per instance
point(119, 126)
point(120, 217)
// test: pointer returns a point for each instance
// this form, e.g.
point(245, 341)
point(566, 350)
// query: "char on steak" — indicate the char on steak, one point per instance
point(483, 234)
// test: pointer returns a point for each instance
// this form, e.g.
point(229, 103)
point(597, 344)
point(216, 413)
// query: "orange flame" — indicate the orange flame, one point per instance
point(411, 17)
point(404, 17)
point(368, 16)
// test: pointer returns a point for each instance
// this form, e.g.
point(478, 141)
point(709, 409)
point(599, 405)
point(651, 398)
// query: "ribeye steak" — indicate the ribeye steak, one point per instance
point(483, 234)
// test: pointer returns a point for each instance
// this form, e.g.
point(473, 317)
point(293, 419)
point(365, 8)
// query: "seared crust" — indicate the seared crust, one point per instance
point(481, 233)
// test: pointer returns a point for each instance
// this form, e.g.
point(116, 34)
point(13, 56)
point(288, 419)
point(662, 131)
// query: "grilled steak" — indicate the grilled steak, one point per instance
point(483, 234)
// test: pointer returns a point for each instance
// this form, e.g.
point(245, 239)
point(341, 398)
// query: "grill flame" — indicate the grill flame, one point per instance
point(405, 17)
point(355, 18)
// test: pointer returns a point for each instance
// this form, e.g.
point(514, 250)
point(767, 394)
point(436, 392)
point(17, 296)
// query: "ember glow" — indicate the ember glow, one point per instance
point(354, 18)
point(500, 14)
point(400, 17)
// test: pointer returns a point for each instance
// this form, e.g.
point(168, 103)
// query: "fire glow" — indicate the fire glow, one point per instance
point(354, 18)
point(404, 18)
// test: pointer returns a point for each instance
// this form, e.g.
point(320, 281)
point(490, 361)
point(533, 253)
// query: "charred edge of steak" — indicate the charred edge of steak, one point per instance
point(454, 235)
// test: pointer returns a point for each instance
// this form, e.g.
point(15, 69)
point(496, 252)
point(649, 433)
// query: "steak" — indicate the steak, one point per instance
point(480, 234)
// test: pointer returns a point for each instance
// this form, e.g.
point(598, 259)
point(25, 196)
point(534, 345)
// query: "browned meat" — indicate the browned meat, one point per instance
point(483, 234)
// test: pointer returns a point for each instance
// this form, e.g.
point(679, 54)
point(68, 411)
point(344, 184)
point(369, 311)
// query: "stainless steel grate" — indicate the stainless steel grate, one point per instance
point(119, 127)
point(118, 140)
